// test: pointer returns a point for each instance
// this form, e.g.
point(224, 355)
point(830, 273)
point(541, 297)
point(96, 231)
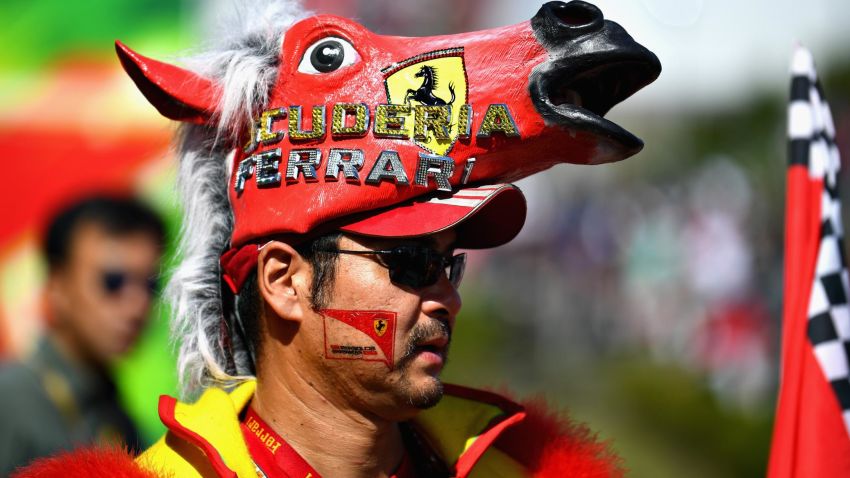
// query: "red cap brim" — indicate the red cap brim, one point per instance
point(483, 217)
point(486, 216)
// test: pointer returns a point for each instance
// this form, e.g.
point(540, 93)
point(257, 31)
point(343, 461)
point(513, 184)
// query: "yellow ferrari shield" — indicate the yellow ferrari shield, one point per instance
point(436, 78)
point(380, 326)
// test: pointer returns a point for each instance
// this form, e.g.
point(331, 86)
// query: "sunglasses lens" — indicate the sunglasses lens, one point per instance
point(419, 267)
point(456, 268)
point(409, 266)
point(113, 281)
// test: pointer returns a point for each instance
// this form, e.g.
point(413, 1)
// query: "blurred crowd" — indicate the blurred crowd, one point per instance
point(618, 266)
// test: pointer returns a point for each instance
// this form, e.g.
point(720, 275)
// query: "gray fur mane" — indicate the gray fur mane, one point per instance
point(245, 64)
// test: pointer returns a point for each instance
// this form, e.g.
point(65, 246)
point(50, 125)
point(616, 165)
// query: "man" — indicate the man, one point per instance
point(103, 260)
point(329, 176)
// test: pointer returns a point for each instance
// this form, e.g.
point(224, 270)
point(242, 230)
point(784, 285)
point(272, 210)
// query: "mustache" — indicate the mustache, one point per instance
point(422, 333)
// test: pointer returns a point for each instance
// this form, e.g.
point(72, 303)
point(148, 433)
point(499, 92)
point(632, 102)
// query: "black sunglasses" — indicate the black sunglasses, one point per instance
point(115, 281)
point(416, 266)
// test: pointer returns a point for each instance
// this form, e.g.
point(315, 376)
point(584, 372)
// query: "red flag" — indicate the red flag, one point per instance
point(811, 436)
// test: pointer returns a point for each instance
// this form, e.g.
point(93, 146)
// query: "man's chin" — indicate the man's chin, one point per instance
point(425, 395)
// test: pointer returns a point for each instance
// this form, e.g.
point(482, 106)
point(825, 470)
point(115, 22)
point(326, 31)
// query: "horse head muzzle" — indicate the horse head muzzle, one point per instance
point(594, 64)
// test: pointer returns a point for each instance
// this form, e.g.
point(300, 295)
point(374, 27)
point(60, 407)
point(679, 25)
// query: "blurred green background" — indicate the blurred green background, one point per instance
point(643, 297)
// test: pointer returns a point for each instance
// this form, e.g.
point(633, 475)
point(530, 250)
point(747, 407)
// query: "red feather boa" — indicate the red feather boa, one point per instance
point(553, 446)
point(103, 462)
point(548, 445)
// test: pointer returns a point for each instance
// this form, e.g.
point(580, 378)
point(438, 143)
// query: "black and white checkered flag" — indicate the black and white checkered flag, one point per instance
point(812, 431)
point(812, 140)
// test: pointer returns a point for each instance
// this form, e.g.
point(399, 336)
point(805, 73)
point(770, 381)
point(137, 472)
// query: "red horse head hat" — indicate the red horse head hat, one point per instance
point(298, 127)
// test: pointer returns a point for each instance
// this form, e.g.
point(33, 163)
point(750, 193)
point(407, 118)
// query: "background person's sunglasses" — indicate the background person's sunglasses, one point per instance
point(114, 282)
point(416, 266)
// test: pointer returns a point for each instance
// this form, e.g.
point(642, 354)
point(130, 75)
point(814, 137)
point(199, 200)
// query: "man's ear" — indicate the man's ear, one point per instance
point(283, 280)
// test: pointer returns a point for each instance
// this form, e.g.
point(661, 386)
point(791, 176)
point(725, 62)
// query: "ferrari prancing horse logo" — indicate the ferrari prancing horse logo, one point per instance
point(380, 326)
point(431, 79)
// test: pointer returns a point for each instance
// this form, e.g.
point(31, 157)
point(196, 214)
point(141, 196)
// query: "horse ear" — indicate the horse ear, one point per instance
point(176, 93)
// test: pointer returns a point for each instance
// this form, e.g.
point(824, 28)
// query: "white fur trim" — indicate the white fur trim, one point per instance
point(245, 62)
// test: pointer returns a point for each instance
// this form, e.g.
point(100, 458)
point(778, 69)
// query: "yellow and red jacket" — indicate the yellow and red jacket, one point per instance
point(480, 434)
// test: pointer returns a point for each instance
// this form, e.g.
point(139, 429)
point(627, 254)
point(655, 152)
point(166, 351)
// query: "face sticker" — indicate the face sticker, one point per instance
point(366, 335)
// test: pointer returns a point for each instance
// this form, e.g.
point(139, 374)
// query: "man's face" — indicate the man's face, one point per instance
point(102, 295)
point(423, 320)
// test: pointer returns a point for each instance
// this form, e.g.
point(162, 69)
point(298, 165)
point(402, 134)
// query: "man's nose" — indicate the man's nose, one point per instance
point(137, 299)
point(442, 300)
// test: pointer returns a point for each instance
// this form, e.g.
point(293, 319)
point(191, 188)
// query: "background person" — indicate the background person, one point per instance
point(103, 262)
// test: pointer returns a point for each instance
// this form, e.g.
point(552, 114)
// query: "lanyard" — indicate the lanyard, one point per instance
point(271, 453)
point(276, 459)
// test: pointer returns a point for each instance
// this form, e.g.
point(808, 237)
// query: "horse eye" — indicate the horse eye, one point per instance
point(327, 55)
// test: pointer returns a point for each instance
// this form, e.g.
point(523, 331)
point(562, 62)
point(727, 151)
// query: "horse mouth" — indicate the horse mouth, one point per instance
point(578, 95)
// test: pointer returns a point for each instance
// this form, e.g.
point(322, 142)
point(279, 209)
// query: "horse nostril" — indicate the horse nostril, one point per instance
point(577, 13)
point(571, 19)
